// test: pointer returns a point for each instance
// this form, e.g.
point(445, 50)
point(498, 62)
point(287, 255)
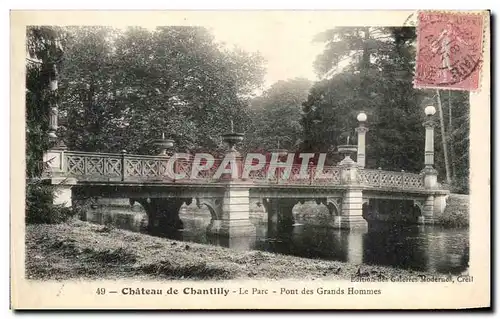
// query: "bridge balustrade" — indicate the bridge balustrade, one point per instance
point(391, 179)
point(87, 166)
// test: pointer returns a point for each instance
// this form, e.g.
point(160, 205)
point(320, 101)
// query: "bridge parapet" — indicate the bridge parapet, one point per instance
point(92, 165)
point(391, 179)
point(86, 166)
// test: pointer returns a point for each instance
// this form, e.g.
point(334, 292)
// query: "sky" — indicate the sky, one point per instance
point(287, 55)
point(287, 47)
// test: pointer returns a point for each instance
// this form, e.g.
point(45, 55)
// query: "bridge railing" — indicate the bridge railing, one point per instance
point(390, 179)
point(129, 167)
point(330, 176)
point(92, 166)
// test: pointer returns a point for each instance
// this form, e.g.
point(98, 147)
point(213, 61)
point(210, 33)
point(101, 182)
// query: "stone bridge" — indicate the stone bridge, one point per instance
point(162, 184)
point(351, 193)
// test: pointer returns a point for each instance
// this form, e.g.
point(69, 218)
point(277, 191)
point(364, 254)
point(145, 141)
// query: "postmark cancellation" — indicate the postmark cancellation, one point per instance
point(449, 50)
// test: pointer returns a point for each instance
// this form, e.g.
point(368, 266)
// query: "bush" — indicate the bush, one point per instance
point(455, 219)
point(456, 213)
point(39, 205)
point(460, 186)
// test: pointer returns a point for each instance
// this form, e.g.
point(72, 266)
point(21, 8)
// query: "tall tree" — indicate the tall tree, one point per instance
point(44, 51)
point(276, 116)
point(174, 80)
point(44, 46)
point(375, 77)
point(88, 89)
point(457, 135)
point(443, 137)
point(372, 70)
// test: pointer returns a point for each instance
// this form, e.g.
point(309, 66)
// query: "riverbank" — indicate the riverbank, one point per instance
point(456, 213)
point(81, 250)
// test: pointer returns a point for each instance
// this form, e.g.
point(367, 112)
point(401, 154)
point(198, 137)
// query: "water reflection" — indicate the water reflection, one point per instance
point(415, 247)
point(407, 247)
point(118, 217)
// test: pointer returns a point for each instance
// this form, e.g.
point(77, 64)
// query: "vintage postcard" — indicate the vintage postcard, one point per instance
point(250, 159)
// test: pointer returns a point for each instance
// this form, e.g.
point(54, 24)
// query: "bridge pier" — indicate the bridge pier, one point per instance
point(230, 212)
point(351, 216)
point(63, 193)
point(427, 216)
point(285, 213)
point(433, 207)
point(435, 204)
point(63, 184)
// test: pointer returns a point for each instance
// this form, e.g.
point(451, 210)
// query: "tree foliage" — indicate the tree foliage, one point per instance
point(456, 113)
point(43, 46)
point(124, 88)
point(276, 116)
point(44, 51)
point(371, 69)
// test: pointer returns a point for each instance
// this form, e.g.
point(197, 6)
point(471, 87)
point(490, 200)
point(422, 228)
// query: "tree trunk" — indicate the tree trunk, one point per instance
point(450, 138)
point(365, 66)
point(443, 138)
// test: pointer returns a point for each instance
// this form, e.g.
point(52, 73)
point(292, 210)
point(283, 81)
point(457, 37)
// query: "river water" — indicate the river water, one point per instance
point(408, 247)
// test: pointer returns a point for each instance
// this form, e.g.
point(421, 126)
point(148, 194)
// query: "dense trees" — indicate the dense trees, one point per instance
point(44, 51)
point(276, 116)
point(456, 116)
point(377, 80)
point(44, 48)
point(371, 70)
point(124, 88)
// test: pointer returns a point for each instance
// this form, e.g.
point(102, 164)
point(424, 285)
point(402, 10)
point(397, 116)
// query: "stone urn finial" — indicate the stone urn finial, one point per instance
point(347, 150)
point(232, 138)
point(163, 144)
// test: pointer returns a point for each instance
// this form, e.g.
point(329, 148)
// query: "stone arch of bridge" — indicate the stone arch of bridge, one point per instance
point(214, 206)
point(334, 206)
point(282, 207)
point(420, 205)
point(387, 209)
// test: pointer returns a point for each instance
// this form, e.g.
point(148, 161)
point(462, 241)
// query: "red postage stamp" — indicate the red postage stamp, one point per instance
point(449, 50)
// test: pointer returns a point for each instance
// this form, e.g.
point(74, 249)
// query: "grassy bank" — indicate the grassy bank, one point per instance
point(83, 250)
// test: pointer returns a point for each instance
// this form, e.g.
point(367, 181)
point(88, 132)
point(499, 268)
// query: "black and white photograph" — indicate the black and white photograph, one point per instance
point(291, 147)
